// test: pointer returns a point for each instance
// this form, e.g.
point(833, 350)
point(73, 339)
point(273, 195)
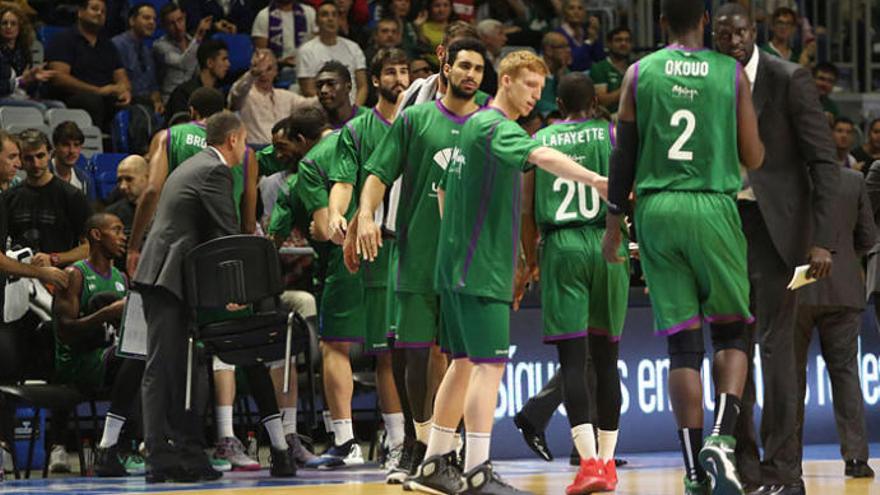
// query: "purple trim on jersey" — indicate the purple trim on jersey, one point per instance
point(730, 318)
point(412, 345)
point(168, 146)
point(381, 118)
point(390, 335)
point(354, 112)
point(92, 268)
point(342, 339)
point(502, 112)
point(244, 165)
point(459, 355)
point(516, 213)
point(679, 327)
point(354, 135)
point(635, 81)
point(565, 336)
point(458, 119)
point(490, 360)
point(485, 197)
point(573, 121)
point(611, 135)
point(601, 332)
point(489, 101)
point(676, 46)
point(313, 163)
point(739, 70)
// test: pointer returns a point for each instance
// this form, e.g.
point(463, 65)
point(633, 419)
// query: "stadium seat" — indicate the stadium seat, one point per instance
point(94, 142)
point(17, 129)
point(103, 170)
point(241, 49)
point(46, 32)
point(55, 116)
point(38, 55)
point(20, 117)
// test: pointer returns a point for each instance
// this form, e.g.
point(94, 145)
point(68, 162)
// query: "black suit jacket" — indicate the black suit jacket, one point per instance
point(798, 181)
point(856, 234)
point(195, 206)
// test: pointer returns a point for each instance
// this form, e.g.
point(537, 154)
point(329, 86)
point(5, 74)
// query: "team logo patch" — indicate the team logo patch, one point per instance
point(120, 287)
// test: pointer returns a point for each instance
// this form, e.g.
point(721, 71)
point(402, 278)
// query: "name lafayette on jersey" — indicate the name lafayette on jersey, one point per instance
point(582, 136)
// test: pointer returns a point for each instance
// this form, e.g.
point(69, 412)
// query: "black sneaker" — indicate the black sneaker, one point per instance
point(418, 457)
point(484, 480)
point(399, 474)
point(108, 463)
point(281, 463)
point(534, 439)
point(438, 475)
point(858, 469)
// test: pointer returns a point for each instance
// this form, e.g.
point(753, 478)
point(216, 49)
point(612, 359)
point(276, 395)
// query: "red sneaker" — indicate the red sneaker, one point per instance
point(589, 479)
point(610, 472)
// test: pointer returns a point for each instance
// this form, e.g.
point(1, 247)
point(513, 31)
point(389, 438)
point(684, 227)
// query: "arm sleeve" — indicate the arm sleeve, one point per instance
point(622, 169)
point(387, 160)
point(60, 50)
point(260, 28)
point(345, 167)
point(281, 220)
point(80, 211)
point(216, 195)
point(311, 186)
point(872, 186)
point(360, 61)
point(512, 145)
point(865, 235)
point(308, 63)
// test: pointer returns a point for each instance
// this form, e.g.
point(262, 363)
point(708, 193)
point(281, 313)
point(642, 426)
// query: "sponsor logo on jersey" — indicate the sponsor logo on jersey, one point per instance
point(682, 92)
point(120, 287)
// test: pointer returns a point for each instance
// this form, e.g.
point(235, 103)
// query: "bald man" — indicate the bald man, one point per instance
point(131, 179)
point(557, 55)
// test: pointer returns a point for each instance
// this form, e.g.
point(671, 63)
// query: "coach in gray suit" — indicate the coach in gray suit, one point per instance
point(834, 307)
point(196, 206)
point(777, 206)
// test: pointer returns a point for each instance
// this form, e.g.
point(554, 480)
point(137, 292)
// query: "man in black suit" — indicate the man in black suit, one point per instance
point(777, 206)
point(196, 206)
point(834, 307)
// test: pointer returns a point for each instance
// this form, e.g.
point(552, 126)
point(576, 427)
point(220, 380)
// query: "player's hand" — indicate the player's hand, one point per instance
point(611, 246)
point(41, 259)
point(525, 274)
point(349, 252)
point(131, 261)
point(53, 276)
point(820, 262)
point(338, 228)
point(601, 186)
point(369, 237)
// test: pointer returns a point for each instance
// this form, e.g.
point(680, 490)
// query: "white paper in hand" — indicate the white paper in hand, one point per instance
point(800, 278)
point(133, 339)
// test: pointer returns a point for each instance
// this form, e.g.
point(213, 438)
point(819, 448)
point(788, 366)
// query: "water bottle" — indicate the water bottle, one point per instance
point(253, 450)
point(88, 457)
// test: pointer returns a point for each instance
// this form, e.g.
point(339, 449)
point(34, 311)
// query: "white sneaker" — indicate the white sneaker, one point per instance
point(59, 460)
point(231, 449)
point(347, 454)
point(392, 460)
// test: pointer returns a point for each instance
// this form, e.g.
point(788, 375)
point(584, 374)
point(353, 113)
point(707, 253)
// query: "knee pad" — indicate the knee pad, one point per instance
point(686, 349)
point(729, 336)
point(219, 365)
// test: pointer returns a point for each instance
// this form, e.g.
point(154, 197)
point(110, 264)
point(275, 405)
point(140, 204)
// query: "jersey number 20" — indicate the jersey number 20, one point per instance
point(690, 123)
point(562, 213)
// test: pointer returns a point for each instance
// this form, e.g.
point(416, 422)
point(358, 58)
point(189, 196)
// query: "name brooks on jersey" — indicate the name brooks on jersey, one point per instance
point(194, 140)
point(579, 137)
point(687, 68)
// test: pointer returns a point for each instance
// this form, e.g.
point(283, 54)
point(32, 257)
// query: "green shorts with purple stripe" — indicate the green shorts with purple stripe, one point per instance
point(418, 319)
point(342, 315)
point(693, 254)
point(376, 307)
point(391, 296)
point(580, 292)
point(476, 327)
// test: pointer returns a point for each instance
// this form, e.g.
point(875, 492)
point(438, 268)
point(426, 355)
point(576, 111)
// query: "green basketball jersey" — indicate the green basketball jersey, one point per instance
point(268, 163)
point(561, 202)
point(479, 235)
point(419, 146)
point(686, 116)
point(86, 368)
point(313, 184)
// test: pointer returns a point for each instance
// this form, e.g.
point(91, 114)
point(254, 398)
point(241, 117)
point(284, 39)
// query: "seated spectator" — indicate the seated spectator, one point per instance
point(844, 133)
point(137, 59)
point(90, 74)
point(870, 150)
point(284, 27)
point(175, 52)
point(19, 78)
point(10, 161)
point(45, 213)
point(582, 34)
point(557, 54)
point(354, 15)
point(431, 30)
point(259, 102)
point(386, 35)
point(400, 10)
point(493, 36)
point(782, 30)
point(67, 139)
point(228, 16)
point(525, 22)
point(420, 68)
point(328, 45)
point(85, 313)
point(825, 74)
point(608, 74)
point(131, 180)
point(213, 57)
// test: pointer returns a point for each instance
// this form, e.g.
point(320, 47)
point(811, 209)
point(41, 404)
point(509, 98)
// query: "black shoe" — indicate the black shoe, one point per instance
point(281, 463)
point(404, 466)
point(620, 462)
point(418, 457)
point(439, 475)
point(574, 459)
point(174, 474)
point(108, 464)
point(786, 489)
point(197, 463)
point(858, 469)
point(534, 439)
point(484, 480)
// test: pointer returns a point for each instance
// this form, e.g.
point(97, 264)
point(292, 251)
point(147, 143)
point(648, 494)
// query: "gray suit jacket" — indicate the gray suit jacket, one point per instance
point(872, 184)
point(195, 206)
point(800, 171)
point(856, 234)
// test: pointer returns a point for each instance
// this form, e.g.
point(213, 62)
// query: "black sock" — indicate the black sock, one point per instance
point(727, 408)
point(691, 442)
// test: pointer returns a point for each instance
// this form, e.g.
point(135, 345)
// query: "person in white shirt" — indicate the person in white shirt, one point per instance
point(328, 45)
point(284, 26)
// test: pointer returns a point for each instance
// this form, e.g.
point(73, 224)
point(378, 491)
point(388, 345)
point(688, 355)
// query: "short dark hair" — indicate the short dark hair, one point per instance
point(873, 123)
point(387, 56)
point(209, 49)
point(219, 126)
point(167, 9)
point(575, 92)
point(683, 15)
point(843, 120)
point(826, 67)
point(97, 221)
point(206, 101)
point(327, 2)
point(308, 121)
point(84, 4)
point(733, 9)
point(338, 68)
point(783, 11)
point(31, 139)
point(457, 30)
point(464, 44)
point(614, 32)
point(67, 131)
point(8, 136)
point(136, 9)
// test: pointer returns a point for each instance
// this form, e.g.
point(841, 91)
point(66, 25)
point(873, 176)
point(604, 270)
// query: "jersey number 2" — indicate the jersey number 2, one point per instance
point(562, 214)
point(690, 122)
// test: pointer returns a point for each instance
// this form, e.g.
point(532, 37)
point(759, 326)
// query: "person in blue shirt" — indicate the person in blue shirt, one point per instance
point(136, 56)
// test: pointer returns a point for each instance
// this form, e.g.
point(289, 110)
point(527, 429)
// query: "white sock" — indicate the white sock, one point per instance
point(288, 420)
point(224, 422)
point(477, 449)
point(276, 431)
point(607, 444)
point(328, 421)
point(393, 428)
point(342, 431)
point(442, 441)
point(584, 440)
point(112, 427)
point(423, 431)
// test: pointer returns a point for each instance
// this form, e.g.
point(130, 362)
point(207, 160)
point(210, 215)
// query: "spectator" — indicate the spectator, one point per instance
point(400, 10)
point(328, 45)
point(844, 132)
point(10, 161)
point(420, 68)
point(176, 52)
point(386, 35)
point(213, 57)
point(19, 78)
point(825, 74)
point(67, 139)
point(135, 55)
point(131, 180)
point(90, 72)
point(432, 29)
point(608, 73)
point(870, 150)
point(492, 35)
point(557, 55)
point(783, 26)
point(228, 16)
point(525, 22)
point(284, 27)
point(464, 10)
point(582, 35)
point(354, 15)
point(259, 102)
point(45, 213)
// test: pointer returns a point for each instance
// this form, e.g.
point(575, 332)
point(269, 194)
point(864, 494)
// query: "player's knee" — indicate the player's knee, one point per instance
point(729, 336)
point(686, 350)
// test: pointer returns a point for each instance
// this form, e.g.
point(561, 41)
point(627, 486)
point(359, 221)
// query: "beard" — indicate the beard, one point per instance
point(391, 94)
point(459, 92)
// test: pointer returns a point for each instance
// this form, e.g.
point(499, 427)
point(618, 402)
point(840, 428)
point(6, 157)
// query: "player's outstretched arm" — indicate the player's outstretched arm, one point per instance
point(622, 172)
point(340, 198)
point(559, 164)
point(369, 234)
point(751, 149)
